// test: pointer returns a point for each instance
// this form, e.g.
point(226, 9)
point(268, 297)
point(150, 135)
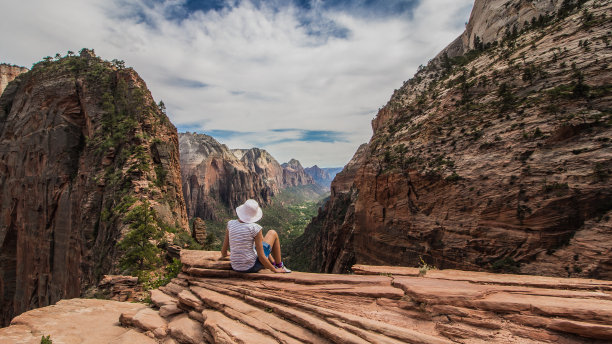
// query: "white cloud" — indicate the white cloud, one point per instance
point(261, 68)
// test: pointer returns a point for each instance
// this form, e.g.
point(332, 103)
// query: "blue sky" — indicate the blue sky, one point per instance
point(300, 78)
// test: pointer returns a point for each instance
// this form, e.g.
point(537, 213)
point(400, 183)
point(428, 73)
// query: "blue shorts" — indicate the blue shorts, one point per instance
point(258, 266)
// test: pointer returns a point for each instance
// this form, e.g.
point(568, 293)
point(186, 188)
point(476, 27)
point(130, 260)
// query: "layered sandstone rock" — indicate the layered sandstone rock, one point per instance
point(199, 230)
point(498, 160)
point(208, 302)
point(294, 174)
point(81, 142)
point(8, 73)
point(119, 288)
point(263, 164)
point(76, 321)
point(492, 20)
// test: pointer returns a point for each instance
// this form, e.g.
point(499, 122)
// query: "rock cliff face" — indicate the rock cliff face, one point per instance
point(217, 180)
point(318, 174)
point(264, 165)
point(81, 142)
point(327, 243)
point(498, 159)
point(294, 174)
point(214, 179)
point(322, 176)
point(493, 19)
point(8, 73)
point(210, 303)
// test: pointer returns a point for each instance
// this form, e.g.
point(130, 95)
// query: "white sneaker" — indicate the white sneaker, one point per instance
point(284, 268)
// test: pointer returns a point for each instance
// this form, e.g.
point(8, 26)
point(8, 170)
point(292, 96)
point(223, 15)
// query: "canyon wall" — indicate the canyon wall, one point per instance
point(81, 143)
point(263, 164)
point(498, 158)
point(214, 179)
point(493, 19)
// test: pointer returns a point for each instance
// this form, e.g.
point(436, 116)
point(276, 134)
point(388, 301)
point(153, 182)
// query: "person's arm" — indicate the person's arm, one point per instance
point(262, 256)
point(225, 247)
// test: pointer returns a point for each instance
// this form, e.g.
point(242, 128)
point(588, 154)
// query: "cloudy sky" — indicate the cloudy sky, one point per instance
point(300, 78)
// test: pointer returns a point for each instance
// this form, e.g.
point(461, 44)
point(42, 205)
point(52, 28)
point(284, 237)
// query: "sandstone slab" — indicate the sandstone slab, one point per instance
point(148, 320)
point(186, 330)
point(161, 299)
point(387, 305)
point(75, 321)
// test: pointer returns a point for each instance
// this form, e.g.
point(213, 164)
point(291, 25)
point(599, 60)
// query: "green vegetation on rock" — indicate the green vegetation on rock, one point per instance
point(125, 139)
point(139, 253)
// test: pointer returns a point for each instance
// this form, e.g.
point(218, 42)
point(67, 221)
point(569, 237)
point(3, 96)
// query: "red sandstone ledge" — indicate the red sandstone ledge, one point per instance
point(379, 304)
point(208, 302)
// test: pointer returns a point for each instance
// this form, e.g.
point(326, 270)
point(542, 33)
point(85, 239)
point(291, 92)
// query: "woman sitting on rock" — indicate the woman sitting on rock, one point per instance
point(249, 249)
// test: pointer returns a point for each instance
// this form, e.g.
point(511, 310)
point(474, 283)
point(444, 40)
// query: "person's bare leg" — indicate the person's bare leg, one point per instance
point(272, 239)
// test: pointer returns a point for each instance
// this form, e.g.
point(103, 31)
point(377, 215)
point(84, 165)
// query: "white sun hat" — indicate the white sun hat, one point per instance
point(249, 212)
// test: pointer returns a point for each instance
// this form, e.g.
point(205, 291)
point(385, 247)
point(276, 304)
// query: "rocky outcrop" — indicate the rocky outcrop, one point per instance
point(294, 174)
point(199, 230)
point(497, 160)
point(208, 302)
point(264, 165)
point(8, 73)
point(492, 20)
point(319, 175)
point(120, 288)
point(76, 321)
point(81, 143)
point(275, 175)
point(215, 181)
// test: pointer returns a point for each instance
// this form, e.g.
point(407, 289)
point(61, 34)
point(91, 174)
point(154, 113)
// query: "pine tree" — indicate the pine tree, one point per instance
point(138, 252)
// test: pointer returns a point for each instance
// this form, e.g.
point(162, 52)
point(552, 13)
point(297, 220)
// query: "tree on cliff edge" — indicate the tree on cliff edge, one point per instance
point(139, 251)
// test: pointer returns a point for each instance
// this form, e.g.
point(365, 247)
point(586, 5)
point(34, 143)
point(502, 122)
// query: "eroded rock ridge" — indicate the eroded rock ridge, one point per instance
point(81, 142)
point(498, 159)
